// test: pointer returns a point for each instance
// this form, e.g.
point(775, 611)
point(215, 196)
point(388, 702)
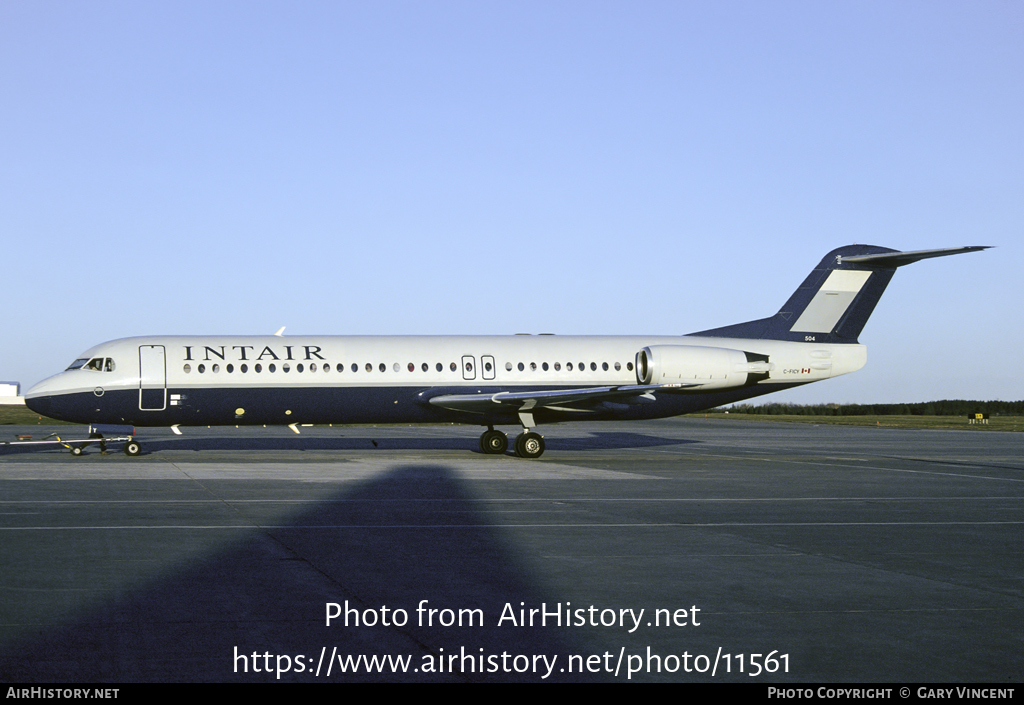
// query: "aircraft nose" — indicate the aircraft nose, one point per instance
point(40, 405)
point(39, 398)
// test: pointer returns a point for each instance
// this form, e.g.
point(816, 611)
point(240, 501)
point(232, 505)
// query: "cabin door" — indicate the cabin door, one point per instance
point(152, 378)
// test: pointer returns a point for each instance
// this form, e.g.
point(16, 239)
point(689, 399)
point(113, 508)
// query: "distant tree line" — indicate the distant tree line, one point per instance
point(945, 407)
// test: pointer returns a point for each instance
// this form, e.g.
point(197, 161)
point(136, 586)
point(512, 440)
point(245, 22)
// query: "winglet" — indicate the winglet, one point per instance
point(280, 332)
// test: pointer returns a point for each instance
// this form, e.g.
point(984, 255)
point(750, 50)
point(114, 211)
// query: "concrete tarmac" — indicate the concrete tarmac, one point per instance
point(683, 550)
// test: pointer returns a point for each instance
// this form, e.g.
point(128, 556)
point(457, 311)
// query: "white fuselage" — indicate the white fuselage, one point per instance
point(160, 380)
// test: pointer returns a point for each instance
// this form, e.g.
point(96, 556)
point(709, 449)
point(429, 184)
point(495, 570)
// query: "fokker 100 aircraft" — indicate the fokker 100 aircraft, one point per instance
point(483, 380)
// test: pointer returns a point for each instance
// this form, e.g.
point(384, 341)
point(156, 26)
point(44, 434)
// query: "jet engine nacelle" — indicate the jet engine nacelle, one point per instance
point(699, 367)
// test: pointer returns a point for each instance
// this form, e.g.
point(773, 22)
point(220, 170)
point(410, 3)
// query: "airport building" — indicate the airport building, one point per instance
point(10, 393)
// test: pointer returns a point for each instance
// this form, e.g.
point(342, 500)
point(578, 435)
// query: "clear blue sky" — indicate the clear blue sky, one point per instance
point(500, 167)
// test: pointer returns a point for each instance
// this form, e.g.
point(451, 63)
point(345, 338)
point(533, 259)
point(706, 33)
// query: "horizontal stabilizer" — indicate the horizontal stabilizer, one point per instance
point(898, 259)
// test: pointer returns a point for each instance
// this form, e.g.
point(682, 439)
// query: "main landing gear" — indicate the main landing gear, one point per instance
point(527, 444)
point(493, 442)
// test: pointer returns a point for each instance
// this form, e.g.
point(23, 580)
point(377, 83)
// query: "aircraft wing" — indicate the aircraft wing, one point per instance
point(551, 398)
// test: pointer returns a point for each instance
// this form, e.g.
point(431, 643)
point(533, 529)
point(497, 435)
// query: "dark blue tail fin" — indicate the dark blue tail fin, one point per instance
point(836, 299)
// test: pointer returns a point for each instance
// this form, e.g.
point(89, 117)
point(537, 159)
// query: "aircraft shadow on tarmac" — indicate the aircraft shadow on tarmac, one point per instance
point(411, 534)
point(602, 440)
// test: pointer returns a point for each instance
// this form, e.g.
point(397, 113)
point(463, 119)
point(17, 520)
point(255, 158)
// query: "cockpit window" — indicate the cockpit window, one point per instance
point(99, 364)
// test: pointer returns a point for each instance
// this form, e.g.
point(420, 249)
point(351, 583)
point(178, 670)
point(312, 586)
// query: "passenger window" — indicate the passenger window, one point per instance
point(187, 368)
point(617, 367)
point(568, 366)
point(215, 368)
point(425, 367)
point(244, 368)
point(439, 367)
point(593, 367)
point(453, 367)
point(521, 367)
point(508, 366)
point(258, 367)
point(544, 366)
point(286, 367)
point(202, 369)
point(383, 367)
point(558, 366)
point(230, 368)
point(271, 367)
point(604, 366)
point(369, 367)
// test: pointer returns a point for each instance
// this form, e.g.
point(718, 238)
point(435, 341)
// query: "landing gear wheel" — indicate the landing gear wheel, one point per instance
point(493, 442)
point(529, 445)
point(132, 448)
point(76, 451)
